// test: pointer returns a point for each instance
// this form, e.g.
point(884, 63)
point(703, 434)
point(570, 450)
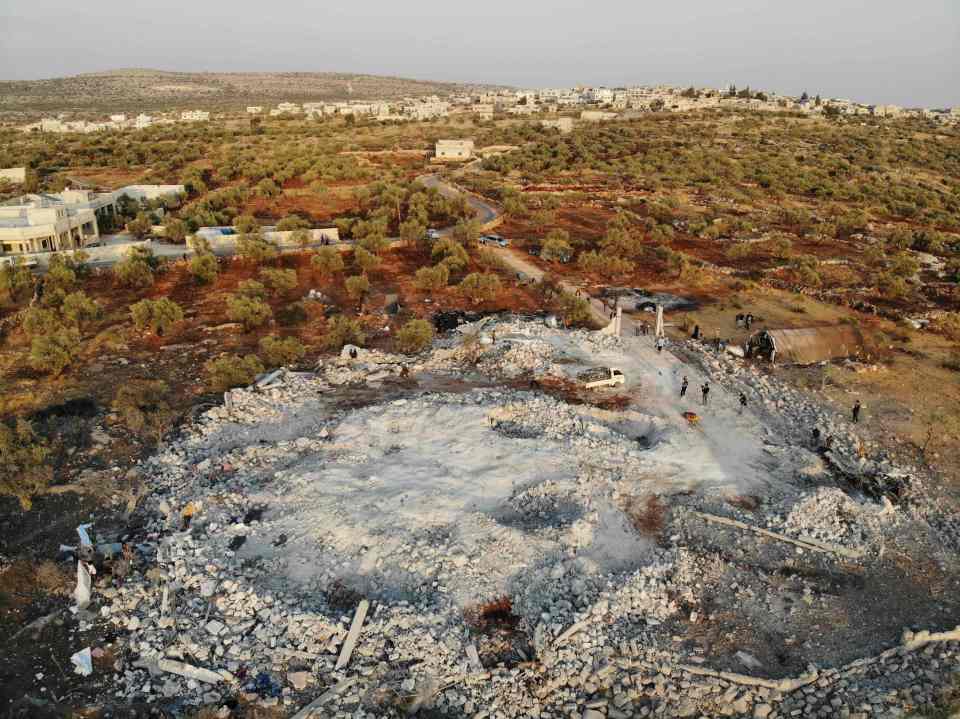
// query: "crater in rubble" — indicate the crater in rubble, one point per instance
point(446, 493)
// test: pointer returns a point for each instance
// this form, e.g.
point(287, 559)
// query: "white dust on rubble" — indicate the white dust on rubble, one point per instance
point(433, 502)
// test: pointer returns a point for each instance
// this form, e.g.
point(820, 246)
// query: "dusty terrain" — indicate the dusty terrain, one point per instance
point(544, 558)
point(527, 548)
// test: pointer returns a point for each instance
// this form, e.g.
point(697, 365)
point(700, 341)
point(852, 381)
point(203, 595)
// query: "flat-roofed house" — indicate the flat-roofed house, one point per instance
point(454, 150)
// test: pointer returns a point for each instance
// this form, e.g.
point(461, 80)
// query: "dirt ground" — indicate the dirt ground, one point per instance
point(905, 389)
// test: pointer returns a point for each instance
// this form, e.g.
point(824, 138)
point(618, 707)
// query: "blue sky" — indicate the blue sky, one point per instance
point(878, 51)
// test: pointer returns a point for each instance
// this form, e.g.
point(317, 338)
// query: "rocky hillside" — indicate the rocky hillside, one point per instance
point(146, 89)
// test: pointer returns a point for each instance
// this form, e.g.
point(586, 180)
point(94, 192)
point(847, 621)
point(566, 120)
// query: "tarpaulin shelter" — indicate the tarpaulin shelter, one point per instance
point(807, 345)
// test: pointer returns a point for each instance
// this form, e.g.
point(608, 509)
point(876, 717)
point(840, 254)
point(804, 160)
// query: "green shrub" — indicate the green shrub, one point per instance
point(156, 315)
point(77, 308)
point(479, 287)
point(252, 288)
point(604, 264)
point(24, 472)
point(357, 286)
point(276, 351)
point(175, 230)
point(231, 371)
point(143, 407)
point(140, 226)
point(39, 321)
point(575, 310)
point(53, 352)
point(327, 262)
point(204, 268)
point(415, 336)
point(450, 253)
point(431, 279)
point(342, 330)
point(16, 280)
point(60, 275)
point(279, 281)
point(252, 246)
point(366, 261)
point(251, 311)
point(294, 313)
point(556, 249)
point(136, 270)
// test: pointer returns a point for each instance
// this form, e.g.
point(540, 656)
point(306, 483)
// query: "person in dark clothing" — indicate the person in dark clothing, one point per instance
point(696, 332)
point(743, 402)
point(636, 331)
point(705, 390)
point(646, 328)
point(353, 353)
point(856, 411)
point(816, 437)
point(748, 320)
point(683, 387)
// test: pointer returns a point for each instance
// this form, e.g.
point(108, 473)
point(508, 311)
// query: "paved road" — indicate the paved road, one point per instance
point(485, 212)
point(519, 263)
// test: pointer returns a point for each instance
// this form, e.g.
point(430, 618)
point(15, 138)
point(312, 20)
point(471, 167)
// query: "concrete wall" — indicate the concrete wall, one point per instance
point(15, 175)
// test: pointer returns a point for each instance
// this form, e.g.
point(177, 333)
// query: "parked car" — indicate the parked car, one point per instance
point(24, 261)
point(433, 234)
point(602, 377)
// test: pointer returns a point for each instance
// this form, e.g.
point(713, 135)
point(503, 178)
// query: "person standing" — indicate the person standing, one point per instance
point(743, 402)
point(856, 412)
point(705, 390)
point(660, 343)
point(683, 387)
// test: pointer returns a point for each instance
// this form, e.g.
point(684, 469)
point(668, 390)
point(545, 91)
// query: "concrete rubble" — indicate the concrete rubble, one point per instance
point(331, 544)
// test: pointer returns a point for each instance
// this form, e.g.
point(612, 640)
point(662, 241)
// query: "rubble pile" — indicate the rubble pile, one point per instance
point(830, 515)
point(490, 553)
point(864, 464)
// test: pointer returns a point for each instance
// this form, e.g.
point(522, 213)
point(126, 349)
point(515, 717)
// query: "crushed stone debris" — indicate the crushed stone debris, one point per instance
point(281, 512)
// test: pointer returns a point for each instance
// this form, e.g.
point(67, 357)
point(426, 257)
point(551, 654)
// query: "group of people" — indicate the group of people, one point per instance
point(745, 320)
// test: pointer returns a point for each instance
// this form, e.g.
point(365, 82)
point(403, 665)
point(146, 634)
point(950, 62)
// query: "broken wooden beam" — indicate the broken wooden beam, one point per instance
point(810, 544)
point(353, 635)
point(317, 703)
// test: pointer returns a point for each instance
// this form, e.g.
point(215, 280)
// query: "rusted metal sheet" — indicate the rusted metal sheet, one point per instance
point(815, 344)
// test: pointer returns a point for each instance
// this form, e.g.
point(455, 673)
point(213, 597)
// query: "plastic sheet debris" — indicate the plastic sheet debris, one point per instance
point(264, 685)
point(83, 662)
point(84, 537)
point(190, 672)
point(84, 585)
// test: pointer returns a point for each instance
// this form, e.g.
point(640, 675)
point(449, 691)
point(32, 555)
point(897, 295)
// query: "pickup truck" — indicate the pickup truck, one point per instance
point(494, 240)
point(601, 377)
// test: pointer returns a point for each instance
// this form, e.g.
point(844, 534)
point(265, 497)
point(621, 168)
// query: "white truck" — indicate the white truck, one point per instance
point(601, 377)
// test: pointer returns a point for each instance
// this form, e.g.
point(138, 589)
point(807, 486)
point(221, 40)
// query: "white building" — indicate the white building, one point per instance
point(65, 220)
point(194, 116)
point(599, 94)
point(143, 121)
point(563, 124)
point(286, 108)
point(13, 175)
point(118, 118)
point(254, 109)
point(454, 150)
point(596, 115)
point(45, 223)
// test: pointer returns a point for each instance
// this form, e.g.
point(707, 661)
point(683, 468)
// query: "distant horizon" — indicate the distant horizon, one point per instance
point(472, 83)
point(872, 51)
